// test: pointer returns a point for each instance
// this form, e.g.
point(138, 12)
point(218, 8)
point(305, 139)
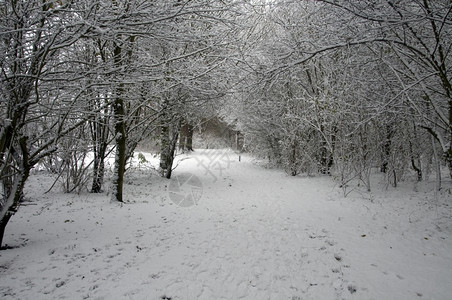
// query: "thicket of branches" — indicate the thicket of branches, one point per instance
point(83, 79)
point(335, 87)
point(350, 87)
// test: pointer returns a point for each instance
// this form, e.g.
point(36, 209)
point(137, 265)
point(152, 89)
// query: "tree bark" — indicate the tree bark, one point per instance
point(99, 135)
point(120, 58)
point(293, 160)
point(437, 165)
point(17, 182)
point(189, 144)
point(3, 224)
point(12, 201)
point(121, 150)
point(172, 149)
point(98, 172)
point(183, 136)
point(239, 141)
point(164, 144)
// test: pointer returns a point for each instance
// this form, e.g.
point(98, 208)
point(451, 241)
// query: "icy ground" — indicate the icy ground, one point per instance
point(254, 233)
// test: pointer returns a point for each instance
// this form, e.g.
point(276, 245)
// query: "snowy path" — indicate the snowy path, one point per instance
point(254, 234)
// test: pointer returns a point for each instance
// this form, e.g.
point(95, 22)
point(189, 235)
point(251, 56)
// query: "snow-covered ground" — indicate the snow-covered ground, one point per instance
point(229, 229)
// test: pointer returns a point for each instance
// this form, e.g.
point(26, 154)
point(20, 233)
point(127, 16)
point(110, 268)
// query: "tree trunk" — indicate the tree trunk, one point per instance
point(413, 163)
point(293, 164)
point(168, 137)
point(173, 142)
point(98, 172)
point(3, 224)
point(333, 148)
point(186, 137)
point(325, 159)
point(386, 150)
point(121, 151)
point(449, 158)
point(121, 146)
point(239, 141)
point(96, 186)
point(183, 136)
point(12, 202)
point(325, 153)
point(99, 135)
point(189, 145)
point(120, 129)
point(437, 165)
point(164, 145)
point(14, 185)
point(415, 156)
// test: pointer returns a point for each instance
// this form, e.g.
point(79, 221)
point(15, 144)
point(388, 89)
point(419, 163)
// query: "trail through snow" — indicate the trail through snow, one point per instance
point(254, 233)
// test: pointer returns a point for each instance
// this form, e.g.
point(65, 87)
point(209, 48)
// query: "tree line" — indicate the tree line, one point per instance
point(335, 87)
point(97, 77)
point(350, 87)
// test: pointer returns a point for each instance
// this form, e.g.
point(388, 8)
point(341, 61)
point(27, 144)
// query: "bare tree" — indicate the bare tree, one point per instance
point(419, 34)
point(34, 37)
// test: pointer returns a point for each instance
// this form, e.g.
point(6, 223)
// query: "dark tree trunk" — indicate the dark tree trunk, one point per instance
point(120, 57)
point(12, 201)
point(99, 133)
point(96, 187)
point(13, 184)
point(3, 224)
point(326, 160)
point(239, 141)
point(189, 144)
point(98, 173)
point(293, 164)
point(186, 137)
point(417, 169)
point(121, 150)
point(333, 148)
point(164, 145)
point(386, 150)
point(413, 163)
point(183, 137)
point(449, 158)
point(169, 134)
point(173, 142)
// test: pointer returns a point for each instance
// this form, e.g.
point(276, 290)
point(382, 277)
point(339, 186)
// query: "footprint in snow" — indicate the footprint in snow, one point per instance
point(338, 257)
point(352, 288)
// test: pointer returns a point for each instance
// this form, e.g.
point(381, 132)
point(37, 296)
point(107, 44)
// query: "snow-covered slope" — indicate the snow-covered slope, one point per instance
point(229, 229)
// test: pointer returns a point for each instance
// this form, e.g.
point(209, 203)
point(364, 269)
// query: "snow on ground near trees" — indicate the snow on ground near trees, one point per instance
point(254, 233)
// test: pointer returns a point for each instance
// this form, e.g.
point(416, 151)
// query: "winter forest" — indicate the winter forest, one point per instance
point(356, 94)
